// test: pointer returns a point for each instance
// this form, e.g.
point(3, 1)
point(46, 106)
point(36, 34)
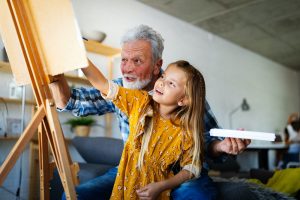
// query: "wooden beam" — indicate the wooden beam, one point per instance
point(5, 67)
point(9, 138)
point(18, 148)
point(17, 101)
point(102, 49)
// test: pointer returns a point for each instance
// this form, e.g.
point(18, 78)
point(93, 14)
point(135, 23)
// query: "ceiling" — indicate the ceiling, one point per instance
point(268, 27)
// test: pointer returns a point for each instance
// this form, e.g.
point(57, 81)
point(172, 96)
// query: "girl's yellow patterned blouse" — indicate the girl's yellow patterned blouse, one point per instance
point(166, 146)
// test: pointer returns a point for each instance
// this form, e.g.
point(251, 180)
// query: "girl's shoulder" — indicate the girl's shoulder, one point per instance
point(134, 92)
point(139, 96)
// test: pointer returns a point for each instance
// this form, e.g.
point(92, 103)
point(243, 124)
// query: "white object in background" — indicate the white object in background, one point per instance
point(293, 135)
point(242, 134)
point(15, 92)
point(80, 73)
point(95, 35)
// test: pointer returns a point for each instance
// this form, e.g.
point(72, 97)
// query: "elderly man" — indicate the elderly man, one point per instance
point(141, 63)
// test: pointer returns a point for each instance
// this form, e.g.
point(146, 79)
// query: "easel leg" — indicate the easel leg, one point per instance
point(34, 176)
point(44, 164)
point(63, 161)
point(21, 144)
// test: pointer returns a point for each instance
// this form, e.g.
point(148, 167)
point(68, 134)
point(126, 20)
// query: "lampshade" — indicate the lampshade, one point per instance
point(245, 106)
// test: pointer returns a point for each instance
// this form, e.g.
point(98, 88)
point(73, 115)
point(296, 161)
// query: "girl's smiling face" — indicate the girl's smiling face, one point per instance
point(169, 89)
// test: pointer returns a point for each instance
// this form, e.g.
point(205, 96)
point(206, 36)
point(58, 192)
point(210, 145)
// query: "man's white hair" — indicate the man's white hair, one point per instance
point(144, 32)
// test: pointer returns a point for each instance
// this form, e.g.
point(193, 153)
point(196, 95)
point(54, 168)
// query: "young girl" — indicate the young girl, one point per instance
point(165, 128)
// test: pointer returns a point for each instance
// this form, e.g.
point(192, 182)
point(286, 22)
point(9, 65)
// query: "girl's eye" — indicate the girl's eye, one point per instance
point(172, 84)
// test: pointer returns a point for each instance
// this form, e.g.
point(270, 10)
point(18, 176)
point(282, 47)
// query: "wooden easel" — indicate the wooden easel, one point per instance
point(45, 120)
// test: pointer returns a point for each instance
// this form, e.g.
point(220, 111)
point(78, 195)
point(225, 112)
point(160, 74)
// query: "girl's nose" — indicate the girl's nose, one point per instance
point(161, 83)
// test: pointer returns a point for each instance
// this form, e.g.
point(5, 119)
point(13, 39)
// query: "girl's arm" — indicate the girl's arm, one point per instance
point(176, 180)
point(96, 78)
point(152, 190)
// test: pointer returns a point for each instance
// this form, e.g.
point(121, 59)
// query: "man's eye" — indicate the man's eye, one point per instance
point(138, 61)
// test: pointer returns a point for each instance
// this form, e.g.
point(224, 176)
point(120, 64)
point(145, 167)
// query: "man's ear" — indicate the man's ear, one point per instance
point(157, 67)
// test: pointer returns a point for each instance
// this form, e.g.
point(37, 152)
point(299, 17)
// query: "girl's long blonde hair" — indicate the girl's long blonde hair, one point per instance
point(191, 115)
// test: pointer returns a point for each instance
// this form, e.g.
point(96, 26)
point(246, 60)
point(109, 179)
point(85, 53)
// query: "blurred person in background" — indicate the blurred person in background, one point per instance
point(292, 130)
point(292, 139)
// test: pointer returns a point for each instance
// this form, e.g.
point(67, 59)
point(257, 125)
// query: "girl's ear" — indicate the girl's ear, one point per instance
point(183, 102)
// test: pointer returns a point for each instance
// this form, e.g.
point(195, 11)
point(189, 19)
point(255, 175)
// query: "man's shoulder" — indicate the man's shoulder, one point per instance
point(118, 81)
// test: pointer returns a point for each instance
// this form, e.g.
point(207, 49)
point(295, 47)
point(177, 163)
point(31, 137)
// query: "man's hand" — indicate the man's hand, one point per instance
point(60, 90)
point(150, 191)
point(233, 146)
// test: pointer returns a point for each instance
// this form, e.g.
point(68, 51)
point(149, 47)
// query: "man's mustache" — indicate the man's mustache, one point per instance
point(129, 76)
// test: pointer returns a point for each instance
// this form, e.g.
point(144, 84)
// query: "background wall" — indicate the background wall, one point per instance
point(231, 72)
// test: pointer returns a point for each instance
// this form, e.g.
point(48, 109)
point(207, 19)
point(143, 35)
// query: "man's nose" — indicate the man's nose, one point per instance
point(129, 67)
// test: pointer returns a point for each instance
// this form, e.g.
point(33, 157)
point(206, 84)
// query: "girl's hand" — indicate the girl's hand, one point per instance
point(150, 191)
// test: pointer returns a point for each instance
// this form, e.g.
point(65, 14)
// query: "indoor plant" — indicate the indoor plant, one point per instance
point(81, 125)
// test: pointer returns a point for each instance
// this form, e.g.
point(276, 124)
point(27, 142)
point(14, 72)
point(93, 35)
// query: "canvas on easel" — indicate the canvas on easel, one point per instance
point(12, 45)
point(56, 33)
point(42, 39)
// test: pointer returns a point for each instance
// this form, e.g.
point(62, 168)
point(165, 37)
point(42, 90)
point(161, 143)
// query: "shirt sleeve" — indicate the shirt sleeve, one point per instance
point(87, 101)
point(187, 157)
point(125, 99)
point(210, 122)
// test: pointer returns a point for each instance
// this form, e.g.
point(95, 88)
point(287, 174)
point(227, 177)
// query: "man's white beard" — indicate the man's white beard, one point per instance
point(138, 84)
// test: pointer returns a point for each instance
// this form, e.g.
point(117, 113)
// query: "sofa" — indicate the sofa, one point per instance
point(102, 153)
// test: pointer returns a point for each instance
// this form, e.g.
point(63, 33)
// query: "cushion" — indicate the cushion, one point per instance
point(286, 181)
point(99, 150)
point(236, 188)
